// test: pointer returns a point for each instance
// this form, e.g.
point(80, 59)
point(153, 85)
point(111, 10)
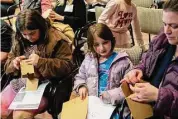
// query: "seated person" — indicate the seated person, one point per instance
point(160, 68)
point(102, 69)
point(118, 15)
point(38, 44)
point(72, 12)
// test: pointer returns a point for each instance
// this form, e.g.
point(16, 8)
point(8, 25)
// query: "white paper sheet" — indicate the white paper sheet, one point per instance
point(28, 99)
point(98, 110)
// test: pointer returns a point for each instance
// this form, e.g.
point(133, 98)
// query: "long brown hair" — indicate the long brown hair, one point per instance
point(31, 20)
point(102, 31)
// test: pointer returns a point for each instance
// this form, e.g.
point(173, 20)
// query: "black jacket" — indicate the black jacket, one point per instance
point(75, 19)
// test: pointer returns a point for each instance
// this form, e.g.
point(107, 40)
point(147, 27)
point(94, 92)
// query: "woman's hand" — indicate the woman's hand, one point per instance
point(144, 92)
point(83, 92)
point(54, 16)
point(33, 59)
point(17, 60)
point(133, 76)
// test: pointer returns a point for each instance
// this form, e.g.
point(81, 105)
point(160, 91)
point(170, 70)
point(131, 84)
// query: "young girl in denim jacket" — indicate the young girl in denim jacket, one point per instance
point(102, 69)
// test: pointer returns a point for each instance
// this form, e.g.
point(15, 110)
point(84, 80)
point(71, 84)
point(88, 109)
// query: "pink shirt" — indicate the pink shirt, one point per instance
point(118, 15)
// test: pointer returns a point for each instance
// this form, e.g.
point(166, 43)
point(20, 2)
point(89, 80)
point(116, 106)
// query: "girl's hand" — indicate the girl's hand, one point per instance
point(144, 92)
point(105, 97)
point(83, 92)
point(33, 59)
point(16, 61)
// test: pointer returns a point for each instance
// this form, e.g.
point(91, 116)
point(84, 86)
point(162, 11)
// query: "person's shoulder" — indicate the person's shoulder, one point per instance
point(56, 35)
point(159, 42)
point(89, 56)
point(122, 56)
point(160, 39)
point(133, 4)
point(122, 60)
point(134, 8)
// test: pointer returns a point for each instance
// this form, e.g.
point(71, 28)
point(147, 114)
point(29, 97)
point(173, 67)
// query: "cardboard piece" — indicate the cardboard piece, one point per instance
point(75, 109)
point(138, 110)
point(27, 71)
point(31, 84)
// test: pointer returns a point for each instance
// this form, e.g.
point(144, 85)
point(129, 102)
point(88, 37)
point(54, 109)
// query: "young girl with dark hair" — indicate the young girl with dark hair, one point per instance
point(34, 42)
point(102, 69)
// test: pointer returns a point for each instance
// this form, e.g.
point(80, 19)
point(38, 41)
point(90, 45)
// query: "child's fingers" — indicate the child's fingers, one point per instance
point(84, 95)
point(22, 57)
point(81, 96)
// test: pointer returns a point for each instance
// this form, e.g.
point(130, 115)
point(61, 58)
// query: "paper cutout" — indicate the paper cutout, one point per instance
point(31, 84)
point(27, 71)
point(90, 108)
point(138, 110)
point(75, 109)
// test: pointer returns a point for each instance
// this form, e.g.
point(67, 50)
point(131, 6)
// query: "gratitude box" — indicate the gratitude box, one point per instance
point(27, 71)
point(138, 110)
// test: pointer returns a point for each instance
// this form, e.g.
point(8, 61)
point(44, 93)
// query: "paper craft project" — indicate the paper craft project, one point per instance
point(27, 71)
point(31, 84)
point(75, 109)
point(138, 110)
point(90, 108)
